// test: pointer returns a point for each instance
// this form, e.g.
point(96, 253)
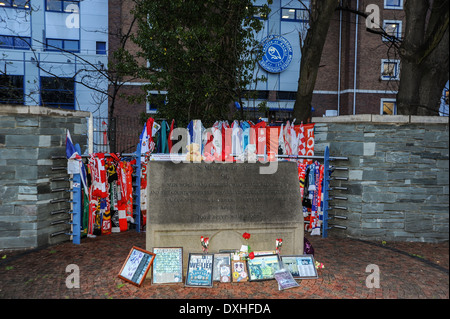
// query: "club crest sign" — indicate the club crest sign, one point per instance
point(277, 54)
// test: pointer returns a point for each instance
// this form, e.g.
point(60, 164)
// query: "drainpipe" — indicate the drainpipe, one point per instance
point(340, 58)
point(356, 59)
point(91, 134)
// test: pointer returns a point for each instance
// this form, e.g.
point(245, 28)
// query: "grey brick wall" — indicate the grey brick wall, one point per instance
point(398, 175)
point(29, 137)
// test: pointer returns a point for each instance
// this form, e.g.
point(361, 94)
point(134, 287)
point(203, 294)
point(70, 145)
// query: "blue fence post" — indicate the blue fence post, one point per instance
point(138, 189)
point(76, 209)
point(326, 188)
point(76, 205)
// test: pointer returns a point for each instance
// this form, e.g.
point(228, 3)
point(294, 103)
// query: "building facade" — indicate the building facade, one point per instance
point(54, 53)
point(359, 71)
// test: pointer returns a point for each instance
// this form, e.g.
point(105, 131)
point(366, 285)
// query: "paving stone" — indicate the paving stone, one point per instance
point(408, 270)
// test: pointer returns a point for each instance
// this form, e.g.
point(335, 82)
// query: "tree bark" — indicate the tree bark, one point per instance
point(320, 18)
point(424, 57)
point(435, 75)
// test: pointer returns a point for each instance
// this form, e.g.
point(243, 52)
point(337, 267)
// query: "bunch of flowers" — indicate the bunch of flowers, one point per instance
point(205, 242)
point(319, 265)
point(250, 253)
point(278, 244)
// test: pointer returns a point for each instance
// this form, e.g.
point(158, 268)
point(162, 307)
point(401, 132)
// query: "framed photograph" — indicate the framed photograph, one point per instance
point(300, 266)
point(263, 267)
point(136, 266)
point(200, 270)
point(225, 273)
point(168, 265)
point(239, 271)
point(220, 260)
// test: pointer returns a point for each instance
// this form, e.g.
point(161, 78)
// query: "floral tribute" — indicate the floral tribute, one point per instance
point(278, 244)
point(205, 242)
point(319, 265)
point(250, 253)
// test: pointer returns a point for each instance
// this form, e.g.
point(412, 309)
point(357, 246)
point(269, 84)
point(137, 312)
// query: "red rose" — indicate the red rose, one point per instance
point(251, 255)
point(246, 236)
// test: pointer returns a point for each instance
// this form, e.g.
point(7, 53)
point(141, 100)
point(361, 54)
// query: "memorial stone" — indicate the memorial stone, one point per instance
point(222, 201)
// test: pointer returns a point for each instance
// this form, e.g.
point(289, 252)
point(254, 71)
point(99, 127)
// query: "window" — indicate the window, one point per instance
point(72, 45)
point(154, 100)
point(11, 89)
point(100, 47)
point(393, 4)
point(63, 6)
point(58, 92)
point(390, 69)
point(260, 13)
point(255, 94)
point(20, 4)
point(287, 95)
point(388, 107)
point(23, 43)
point(68, 45)
point(13, 42)
point(53, 5)
point(54, 44)
point(301, 15)
point(393, 28)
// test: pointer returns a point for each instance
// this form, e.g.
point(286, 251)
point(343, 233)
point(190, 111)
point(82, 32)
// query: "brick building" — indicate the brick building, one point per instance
point(358, 73)
point(51, 55)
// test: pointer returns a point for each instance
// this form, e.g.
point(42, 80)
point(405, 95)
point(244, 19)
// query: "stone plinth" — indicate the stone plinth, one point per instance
point(222, 201)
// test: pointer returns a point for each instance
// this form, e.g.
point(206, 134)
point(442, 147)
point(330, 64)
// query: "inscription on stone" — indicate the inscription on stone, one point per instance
point(215, 192)
point(222, 201)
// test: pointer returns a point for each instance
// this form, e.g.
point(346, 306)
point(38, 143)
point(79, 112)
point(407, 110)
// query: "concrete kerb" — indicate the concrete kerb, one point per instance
point(40, 110)
point(388, 119)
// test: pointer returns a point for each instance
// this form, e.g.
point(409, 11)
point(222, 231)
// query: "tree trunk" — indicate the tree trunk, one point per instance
point(321, 14)
point(424, 57)
point(435, 75)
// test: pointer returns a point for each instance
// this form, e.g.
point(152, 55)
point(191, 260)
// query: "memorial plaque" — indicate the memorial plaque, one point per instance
point(222, 201)
point(168, 265)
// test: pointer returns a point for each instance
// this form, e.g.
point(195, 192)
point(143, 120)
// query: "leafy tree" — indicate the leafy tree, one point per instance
point(201, 52)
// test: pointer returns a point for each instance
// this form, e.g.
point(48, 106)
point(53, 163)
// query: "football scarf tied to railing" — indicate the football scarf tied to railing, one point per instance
point(247, 141)
point(314, 180)
point(105, 193)
point(114, 193)
point(108, 190)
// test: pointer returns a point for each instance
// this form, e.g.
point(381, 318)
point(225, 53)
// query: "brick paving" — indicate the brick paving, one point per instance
point(407, 271)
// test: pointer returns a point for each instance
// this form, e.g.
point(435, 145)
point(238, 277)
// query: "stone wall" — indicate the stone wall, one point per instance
point(29, 137)
point(398, 187)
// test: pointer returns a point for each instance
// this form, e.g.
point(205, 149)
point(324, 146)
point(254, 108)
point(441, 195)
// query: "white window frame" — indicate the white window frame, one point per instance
point(399, 31)
point(384, 100)
point(400, 7)
point(397, 75)
point(147, 104)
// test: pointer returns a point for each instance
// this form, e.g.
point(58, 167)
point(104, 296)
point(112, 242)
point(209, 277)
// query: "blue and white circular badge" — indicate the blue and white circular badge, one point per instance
point(277, 54)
